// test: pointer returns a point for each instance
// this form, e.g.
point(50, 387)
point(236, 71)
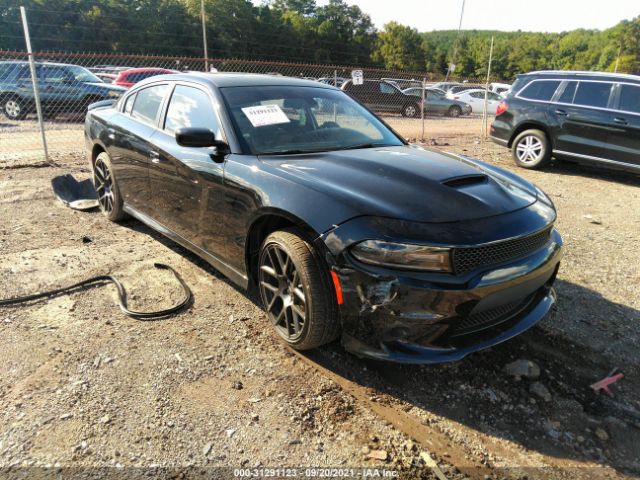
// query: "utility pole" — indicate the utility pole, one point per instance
point(455, 47)
point(486, 93)
point(615, 70)
point(34, 82)
point(204, 36)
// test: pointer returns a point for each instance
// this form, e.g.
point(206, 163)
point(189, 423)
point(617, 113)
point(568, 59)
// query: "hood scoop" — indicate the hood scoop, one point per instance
point(465, 180)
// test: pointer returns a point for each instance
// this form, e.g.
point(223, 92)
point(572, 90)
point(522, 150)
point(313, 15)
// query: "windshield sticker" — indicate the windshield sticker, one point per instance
point(263, 115)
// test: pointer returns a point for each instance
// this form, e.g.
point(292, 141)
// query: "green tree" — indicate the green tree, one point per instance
point(400, 47)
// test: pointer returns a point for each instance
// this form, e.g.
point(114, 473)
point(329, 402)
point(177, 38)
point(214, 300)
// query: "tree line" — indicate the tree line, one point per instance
point(302, 31)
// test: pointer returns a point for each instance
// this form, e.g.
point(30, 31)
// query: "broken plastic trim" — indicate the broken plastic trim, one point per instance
point(122, 294)
point(77, 195)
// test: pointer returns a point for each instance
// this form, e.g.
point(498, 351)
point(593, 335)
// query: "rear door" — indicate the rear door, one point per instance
point(389, 98)
point(437, 102)
point(583, 118)
point(187, 184)
point(131, 133)
point(366, 93)
point(624, 139)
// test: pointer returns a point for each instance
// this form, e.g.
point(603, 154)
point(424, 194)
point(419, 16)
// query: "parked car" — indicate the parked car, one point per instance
point(475, 98)
point(583, 116)
point(403, 83)
point(112, 69)
point(106, 77)
point(445, 86)
point(438, 103)
point(500, 88)
point(341, 226)
point(334, 81)
point(128, 78)
point(383, 97)
point(63, 88)
point(462, 88)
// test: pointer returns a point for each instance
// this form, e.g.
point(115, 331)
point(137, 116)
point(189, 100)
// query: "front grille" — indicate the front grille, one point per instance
point(466, 259)
point(489, 318)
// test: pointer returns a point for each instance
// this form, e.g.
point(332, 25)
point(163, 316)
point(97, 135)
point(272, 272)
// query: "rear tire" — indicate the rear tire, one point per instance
point(531, 149)
point(14, 108)
point(454, 111)
point(109, 197)
point(410, 110)
point(296, 291)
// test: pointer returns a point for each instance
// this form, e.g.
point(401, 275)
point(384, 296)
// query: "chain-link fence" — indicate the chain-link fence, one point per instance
point(68, 82)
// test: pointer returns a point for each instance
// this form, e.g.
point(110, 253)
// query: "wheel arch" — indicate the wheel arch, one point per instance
point(529, 125)
point(96, 150)
point(264, 223)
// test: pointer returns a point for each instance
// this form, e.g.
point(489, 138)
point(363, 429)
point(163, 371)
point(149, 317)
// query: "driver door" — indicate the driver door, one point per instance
point(186, 183)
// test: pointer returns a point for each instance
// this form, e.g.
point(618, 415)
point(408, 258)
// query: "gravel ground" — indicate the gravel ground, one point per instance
point(85, 388)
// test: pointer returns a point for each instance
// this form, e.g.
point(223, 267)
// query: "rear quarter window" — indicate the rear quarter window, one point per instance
point(148, 102)
point(542, 90)
point(630, 98)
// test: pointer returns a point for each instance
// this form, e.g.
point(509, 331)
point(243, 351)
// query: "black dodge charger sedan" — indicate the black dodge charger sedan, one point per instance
point(294, 188)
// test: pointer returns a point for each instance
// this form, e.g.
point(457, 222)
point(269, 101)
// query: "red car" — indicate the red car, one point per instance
point(129, 78)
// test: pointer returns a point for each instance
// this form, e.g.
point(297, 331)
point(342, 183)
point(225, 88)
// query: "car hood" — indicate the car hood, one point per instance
point(407, 182)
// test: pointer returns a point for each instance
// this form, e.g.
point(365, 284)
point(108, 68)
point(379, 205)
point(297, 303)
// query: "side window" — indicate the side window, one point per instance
point(190, 107)
point(630, 98)
point(477, 95)
point(25, 72)
point(386, 88)
point(5, 70)
point(542, 90)
point(593, 94)
point(55, 74)
point(128, 104)
point(494, 97)
point(147, 103)
point(568, 93)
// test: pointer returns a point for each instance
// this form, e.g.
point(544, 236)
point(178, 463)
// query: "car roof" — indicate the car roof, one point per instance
point(48, 64)
point(582, 73)
point(221, 80)
point(144, 69)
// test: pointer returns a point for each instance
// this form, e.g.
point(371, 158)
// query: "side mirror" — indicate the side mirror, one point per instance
point(198, 138)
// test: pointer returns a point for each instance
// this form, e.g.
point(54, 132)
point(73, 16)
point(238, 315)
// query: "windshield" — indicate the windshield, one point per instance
point(81, 74)
point(287, 120)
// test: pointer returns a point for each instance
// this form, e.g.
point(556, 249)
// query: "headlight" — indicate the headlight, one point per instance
point(113, 94)
point(401, 255)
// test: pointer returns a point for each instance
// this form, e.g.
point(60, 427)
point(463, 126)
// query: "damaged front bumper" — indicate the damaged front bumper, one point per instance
point(417, 317)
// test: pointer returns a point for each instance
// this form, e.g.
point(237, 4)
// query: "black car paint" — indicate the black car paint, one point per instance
point(215, 207)
point(601, 136)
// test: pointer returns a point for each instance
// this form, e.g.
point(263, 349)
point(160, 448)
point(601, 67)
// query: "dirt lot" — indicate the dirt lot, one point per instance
point(85, 388)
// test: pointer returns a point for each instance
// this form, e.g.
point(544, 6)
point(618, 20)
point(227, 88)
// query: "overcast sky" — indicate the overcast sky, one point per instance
point(527, 15)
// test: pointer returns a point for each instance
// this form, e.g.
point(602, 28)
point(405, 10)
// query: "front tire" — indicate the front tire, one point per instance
point(296, 291)
point(531, 149)
point(109, 197)
point(14, 108)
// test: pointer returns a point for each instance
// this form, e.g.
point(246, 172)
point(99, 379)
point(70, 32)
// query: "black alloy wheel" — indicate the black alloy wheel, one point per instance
point(283, 293)
point(107, 188)
point(296, 291)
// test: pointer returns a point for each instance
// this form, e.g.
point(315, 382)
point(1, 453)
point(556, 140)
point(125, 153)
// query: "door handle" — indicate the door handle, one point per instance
point(559, 111)
point(154, 156)
point(620, 121)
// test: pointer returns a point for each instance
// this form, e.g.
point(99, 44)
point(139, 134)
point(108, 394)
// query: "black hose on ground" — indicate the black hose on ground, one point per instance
point(122, 294)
